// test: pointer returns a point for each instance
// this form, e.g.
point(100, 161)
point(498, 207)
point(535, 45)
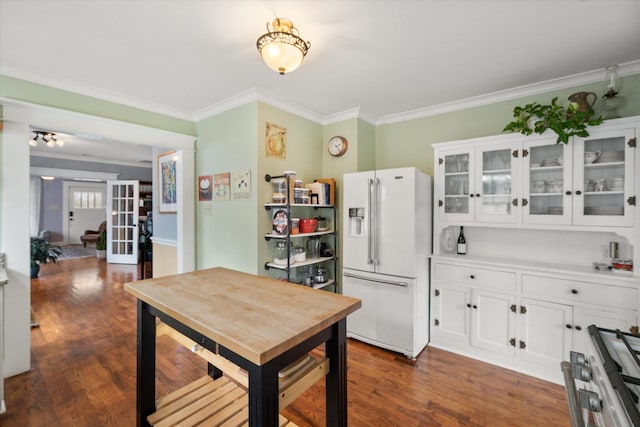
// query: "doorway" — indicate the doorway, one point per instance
point(84, 208)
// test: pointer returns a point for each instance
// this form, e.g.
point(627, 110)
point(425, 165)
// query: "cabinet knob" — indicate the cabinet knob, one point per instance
point(475, 306)
point(469, 305)
point(568, 193)
point(568, 326)
point(477, 194)
point(578, 328)
point(578, 192)
point(574, 291)
point(471, 195)
point(472, 277)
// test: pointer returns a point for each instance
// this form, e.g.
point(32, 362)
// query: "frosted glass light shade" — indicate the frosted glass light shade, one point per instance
point(281, 48)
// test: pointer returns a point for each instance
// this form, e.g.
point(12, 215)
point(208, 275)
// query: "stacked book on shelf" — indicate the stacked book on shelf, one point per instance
point(322, 191)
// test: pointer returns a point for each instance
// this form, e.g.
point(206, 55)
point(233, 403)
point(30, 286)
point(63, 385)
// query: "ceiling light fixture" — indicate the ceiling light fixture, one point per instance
point(49, 138)
point(281, 47)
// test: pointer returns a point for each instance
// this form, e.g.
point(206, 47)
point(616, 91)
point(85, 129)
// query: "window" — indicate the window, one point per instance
point(87, 200)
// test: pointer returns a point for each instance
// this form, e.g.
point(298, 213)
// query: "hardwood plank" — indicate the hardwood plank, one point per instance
point(87, 323)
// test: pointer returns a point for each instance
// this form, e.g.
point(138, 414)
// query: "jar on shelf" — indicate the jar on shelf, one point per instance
point(279, 190)
point(280, 254)
point(295, 226)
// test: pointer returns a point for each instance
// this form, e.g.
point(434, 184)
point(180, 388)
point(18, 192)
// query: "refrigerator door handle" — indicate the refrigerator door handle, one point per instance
point(374, 216)
point(370, 213)
point(369, 279)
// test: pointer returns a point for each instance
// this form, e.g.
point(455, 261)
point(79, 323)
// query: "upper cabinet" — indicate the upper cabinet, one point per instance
point(478, 184)
point(512, 179)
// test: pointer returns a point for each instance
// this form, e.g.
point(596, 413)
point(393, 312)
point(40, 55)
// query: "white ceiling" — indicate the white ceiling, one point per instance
point(378, 58)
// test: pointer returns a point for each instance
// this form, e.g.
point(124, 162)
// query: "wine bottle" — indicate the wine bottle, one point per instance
point(462, 243)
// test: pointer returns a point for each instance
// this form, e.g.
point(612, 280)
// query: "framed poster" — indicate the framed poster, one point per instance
point(167, 182)
point(221, 186)
point(276, 141)
point(205, 184)
point(241, 185)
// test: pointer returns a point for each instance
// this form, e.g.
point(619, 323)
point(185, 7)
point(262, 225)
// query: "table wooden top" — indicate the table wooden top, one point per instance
point(256, 317)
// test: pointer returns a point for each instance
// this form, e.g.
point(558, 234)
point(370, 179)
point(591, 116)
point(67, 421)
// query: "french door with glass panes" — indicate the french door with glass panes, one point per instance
point(122, 222)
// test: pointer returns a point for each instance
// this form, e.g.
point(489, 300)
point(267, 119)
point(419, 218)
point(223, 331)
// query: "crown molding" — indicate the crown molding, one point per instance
point(588, 77)
point(255, 94)
point(99, 93)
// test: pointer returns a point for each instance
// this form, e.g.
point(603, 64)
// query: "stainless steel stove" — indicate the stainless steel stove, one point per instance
point(603, 385)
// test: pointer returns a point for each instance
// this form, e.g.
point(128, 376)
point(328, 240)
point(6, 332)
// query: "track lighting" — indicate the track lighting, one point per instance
point(49, 138)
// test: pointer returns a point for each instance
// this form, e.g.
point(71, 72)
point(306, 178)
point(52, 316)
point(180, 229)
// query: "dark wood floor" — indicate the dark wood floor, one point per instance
point(83, 369)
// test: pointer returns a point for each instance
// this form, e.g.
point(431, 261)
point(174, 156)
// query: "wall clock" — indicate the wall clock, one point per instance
point(337, 146)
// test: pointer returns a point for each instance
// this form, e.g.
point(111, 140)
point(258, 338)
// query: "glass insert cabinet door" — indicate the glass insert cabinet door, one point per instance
point(604, 178)
point(122, 222)
point(547, 186)
point(496, 173)
point(455, 203)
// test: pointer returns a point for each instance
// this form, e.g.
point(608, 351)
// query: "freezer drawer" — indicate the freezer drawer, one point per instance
point(386, 318)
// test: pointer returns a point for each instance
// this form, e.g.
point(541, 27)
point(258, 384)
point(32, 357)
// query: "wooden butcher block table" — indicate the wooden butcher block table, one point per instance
point(260, 324)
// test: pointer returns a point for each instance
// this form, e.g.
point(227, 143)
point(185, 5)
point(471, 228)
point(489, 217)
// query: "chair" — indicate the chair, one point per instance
point(44, 235)
point(91, 236)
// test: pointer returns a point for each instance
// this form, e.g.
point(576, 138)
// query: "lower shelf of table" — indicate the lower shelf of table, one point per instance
point(206, 402)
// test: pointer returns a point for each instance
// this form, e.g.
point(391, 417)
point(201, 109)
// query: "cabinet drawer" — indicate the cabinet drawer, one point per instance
point(573, 290)
point(482, 277)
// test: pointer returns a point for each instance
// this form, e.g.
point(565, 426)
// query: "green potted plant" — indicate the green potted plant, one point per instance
point(101, 246)
point(42, 252)
point(565, 122)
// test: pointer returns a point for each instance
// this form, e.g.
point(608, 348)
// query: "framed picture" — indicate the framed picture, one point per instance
point(221, 186)
point(276, 141)
point(167, 182)
point(205, 184)
point(241, 185)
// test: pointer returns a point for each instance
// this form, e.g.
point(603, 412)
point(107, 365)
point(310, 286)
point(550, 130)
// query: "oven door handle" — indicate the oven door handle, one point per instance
point(575, 411)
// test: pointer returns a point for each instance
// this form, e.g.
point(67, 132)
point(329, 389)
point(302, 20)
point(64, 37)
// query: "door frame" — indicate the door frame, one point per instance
point(19, 118)
point(65, 203)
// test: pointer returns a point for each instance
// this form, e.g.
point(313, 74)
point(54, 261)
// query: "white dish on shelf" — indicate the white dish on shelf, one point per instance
point(604, 210)
point(611, 157)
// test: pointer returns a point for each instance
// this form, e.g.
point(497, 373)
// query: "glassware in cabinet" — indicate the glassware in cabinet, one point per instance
point(604, 171)
point(547, 183)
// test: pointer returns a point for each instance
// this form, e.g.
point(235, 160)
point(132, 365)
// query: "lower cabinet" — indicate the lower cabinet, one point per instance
point(523, 320)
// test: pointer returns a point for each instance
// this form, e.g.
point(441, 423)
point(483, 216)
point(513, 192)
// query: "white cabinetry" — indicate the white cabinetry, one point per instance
point(512, 179)
point(520, 315)
point(536, 216)
point(478, 184)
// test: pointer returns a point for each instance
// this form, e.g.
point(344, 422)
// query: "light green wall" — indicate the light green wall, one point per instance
point(226, 230)
point(408, 143)
point(303, 155)
point(22, 90)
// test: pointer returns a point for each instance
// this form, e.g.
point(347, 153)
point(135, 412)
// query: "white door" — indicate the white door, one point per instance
point(451, 313)
point(547, 185)
point(357, 247)
point(86, 210)
point(122, 223)
point(456, 195)
point(545, 331)
point(497, 174)
point(395, 223)
point(603, 178)
point(386, 316)
point(493, 322)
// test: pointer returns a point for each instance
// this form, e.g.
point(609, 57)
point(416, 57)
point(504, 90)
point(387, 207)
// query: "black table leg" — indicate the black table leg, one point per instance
point(263, 395)
point(336, 379)
point(146, 365)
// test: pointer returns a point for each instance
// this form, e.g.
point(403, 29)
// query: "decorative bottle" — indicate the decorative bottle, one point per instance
point(462, 243)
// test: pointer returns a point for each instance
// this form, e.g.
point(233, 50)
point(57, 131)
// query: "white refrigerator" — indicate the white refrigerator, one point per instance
point(386, 246)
